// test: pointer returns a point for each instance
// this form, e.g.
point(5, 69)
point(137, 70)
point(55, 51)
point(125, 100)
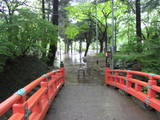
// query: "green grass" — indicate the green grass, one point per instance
point(100, 54)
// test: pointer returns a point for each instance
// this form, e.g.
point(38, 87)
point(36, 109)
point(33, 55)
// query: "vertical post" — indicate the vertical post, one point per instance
point(52, 89)
point(21, 106)
point(107, 75)
point(138, 87)
point(151, 93)
point(45, 97)
point(116, 78)
point(44, 100)
point(128, 82)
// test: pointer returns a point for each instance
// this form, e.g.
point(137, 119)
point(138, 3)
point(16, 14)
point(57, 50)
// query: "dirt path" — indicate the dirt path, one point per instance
point(89, 99)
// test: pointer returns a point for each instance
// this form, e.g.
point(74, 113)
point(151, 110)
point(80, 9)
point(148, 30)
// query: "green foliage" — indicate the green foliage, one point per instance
point(25, 34)
point(127, 43)
point(71, 31)
point(91, 14)
point(79, 12)
point(149, 58)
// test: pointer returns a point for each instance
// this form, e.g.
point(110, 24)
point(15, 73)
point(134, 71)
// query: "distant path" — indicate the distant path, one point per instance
point(89, 99)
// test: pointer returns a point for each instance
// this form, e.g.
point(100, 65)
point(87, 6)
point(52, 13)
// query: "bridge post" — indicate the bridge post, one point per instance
point(45, 96)
point(107, 75)
point(116, 78)
point(138, 87)
point(128, 82)
point(44, 100)
point(20, 109)
point(151, 82)
point(52, 90)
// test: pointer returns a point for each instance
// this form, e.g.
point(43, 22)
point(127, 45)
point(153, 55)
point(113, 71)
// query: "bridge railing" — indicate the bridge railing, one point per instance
point(35, 106)
point(146, 91)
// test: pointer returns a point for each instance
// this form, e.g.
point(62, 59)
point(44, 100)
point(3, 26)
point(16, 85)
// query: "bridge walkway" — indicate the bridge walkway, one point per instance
point(89, 99)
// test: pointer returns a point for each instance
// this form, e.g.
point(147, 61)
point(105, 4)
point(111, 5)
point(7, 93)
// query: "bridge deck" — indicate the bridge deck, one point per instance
point(90, 100)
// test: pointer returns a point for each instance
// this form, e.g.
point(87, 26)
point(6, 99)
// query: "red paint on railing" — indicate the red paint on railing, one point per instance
point(36, 106)
point(134, 86)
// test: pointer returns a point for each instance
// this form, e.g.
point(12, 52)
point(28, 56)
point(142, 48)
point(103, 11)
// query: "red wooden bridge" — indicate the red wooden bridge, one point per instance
point(86, 101)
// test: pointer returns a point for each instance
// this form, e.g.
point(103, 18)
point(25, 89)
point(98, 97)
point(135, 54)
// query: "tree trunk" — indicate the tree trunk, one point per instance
point(138, 24)
point(106, 41)
point(43, 9)
point(71, 47)
point(49, 8)
point(101, 46)
point(80, 47)
point(67, 48)
point(55, 12)
point(43, 17)
point(52, 54)
point(53, 47)
point(80, 52)
point(106, 37)
point(65, 51)
point(87, 47)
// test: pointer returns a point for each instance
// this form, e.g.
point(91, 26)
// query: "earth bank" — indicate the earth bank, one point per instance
point(18, 73)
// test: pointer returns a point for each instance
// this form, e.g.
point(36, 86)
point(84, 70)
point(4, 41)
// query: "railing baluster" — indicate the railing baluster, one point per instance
point(107, 76)
point(128, 82)
point(151, 82)
point(138, 87)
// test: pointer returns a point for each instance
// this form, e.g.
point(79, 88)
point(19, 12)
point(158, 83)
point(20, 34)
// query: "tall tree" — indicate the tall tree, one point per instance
point(138, 23)
point(43, 9)
point(53, 46)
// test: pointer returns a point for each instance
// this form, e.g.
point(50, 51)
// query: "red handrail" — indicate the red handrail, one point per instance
point(133, 86)
point(36, 106)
